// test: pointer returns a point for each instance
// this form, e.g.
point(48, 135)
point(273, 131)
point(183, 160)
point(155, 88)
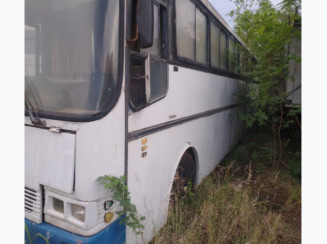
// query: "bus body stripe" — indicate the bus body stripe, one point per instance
point(48, 128)
point(163, 126)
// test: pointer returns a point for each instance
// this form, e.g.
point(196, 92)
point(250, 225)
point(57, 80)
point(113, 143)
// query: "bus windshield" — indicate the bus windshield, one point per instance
point(71, 56)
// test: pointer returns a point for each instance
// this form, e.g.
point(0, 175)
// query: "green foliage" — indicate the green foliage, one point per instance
point(31, 240)
point(295, 167)
point(121, 194)
point(267, 32)
point(294, 112)
point(255, 155)
point(190, 189)
point(294, 163)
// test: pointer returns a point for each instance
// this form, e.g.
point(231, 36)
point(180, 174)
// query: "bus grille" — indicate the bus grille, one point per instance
point(33, 203)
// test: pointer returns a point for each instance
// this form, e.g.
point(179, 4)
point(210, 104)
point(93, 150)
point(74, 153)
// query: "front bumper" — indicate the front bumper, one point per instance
point(115, 233)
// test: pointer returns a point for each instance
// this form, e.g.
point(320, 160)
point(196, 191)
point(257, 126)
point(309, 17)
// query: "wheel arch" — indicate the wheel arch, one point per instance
point(194, 154)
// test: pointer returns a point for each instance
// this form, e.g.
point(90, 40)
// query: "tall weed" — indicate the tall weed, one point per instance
point(239, 202)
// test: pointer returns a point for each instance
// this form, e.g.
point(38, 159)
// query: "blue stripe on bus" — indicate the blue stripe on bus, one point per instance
point(113, 234)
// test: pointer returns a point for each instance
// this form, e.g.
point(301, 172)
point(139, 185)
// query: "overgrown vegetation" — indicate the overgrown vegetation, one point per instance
point(36, 238)
point(267, 33)
point(245, 200)
point(120, 192)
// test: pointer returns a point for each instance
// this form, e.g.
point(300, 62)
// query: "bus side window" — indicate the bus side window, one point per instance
point(158, 79)
point(223, 51)
point(137, 82)
point(150, 63)
point(214, 44)
point(158, 65)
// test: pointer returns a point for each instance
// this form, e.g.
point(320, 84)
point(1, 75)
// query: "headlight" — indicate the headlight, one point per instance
point(58, 205)
point(78, 212)
point(79, 217)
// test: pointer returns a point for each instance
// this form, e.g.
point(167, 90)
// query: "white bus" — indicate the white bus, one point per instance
point(141, 88)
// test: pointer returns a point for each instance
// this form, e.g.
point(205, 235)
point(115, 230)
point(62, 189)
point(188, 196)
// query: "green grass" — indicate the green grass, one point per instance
point(35, 237)
point(245, 200)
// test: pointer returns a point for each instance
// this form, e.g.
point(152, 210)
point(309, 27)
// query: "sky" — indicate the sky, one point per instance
point(225, 6)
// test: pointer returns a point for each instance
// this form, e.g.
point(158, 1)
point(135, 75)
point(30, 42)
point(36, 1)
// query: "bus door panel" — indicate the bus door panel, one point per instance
point(148, 81)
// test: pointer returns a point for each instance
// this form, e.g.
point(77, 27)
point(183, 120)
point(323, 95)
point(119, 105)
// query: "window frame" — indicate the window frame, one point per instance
point(226, 52)
point(207, 37)
point(237, 52)
point(211, 66)
point(162, 57)
point(181, 58)
point(222, 29)
point(185, 59)
point(175, 59)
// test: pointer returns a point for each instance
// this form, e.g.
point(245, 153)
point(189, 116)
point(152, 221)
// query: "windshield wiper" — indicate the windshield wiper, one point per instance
point(34, 116)
point(32, 112)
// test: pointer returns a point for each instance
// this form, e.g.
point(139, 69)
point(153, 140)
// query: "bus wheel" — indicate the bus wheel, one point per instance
point(184, 177)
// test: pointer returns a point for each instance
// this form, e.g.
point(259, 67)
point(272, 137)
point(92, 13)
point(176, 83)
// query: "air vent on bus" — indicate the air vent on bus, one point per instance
point(33, 205)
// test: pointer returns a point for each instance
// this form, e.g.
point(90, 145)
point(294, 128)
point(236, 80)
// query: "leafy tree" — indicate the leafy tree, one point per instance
point(267, 32)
